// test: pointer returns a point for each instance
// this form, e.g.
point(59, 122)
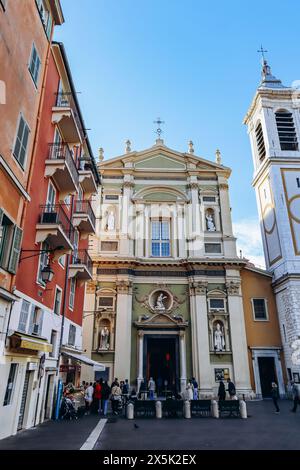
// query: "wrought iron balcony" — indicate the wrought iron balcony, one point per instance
point(84, 218)
point(65, 115)
point(55, 227)
point(60, 165)
point(81, 265)
point(86, 176)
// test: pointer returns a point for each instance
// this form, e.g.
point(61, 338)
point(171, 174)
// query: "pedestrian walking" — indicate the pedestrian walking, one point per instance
point(296, 397)
point(151, 387)
point(231, 389)
point(98, 395)
point(125, 390)
point(189, 392)
point(222, 391)
point(195, 388)
point(275, 396)
point(105, 392)
point(133, 395)
point(88, 397)
point(116, 393)
point(143, 390)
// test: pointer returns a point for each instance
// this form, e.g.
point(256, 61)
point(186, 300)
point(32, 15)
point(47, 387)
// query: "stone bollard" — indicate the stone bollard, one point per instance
point(187, 409)
point(214, 409)
point(158, 409)
point(130, 411)
point(243, 409)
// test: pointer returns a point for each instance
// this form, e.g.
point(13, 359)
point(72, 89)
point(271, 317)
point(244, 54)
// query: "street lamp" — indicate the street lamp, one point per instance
point(47, 274)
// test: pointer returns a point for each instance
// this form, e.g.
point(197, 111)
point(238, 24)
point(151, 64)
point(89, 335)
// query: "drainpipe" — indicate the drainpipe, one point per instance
point(65, 293)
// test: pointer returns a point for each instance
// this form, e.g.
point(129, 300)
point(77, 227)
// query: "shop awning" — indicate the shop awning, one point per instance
point(18, 340)
point(86, 360)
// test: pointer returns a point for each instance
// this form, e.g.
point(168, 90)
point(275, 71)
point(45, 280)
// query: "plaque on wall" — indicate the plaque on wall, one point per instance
point(221, 374)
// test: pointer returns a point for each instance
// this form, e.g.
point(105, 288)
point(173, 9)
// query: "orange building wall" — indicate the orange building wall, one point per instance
point(20, 27)
point(260, 333)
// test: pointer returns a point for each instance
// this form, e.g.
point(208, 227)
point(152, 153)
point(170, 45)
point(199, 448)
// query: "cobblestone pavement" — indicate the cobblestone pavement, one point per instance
point(262, 430)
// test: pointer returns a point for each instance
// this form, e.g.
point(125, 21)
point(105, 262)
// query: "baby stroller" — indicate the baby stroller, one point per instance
point(67, 409)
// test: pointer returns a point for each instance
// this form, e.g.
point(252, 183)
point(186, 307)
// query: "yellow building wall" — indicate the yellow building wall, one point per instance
point(260, 333)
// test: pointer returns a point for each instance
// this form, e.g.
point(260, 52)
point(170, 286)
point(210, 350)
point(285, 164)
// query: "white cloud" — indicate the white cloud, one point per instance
point(249, 241)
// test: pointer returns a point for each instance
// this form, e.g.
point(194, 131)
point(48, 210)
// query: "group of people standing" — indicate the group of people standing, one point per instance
point(98, 394)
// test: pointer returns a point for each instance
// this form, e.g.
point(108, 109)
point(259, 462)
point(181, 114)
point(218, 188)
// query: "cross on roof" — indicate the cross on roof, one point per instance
point(262, 52)
point(158, 130)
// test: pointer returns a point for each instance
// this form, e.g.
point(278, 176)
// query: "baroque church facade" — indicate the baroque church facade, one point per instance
point(166, 300)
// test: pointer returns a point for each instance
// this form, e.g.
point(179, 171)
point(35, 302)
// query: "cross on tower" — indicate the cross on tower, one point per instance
point(158, 130)
point(262, 52)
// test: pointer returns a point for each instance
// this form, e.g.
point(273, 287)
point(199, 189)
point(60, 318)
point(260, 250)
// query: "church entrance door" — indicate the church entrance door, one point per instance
point(267, 375)
point(162, 363)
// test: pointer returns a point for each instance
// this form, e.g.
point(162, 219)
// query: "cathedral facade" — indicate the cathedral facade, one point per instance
point(166, 300)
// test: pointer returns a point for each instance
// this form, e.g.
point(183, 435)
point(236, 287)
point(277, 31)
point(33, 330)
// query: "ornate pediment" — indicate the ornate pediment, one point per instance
point(161, 320)
point(160, 162)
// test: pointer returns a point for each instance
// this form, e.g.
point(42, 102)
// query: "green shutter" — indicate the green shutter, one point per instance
point(15, 250)
point(1, 215)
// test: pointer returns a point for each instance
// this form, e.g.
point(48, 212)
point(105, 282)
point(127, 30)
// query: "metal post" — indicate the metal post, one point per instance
point(58, 398)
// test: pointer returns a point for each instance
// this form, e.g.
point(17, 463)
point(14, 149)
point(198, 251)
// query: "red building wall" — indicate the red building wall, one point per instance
point(26, 280)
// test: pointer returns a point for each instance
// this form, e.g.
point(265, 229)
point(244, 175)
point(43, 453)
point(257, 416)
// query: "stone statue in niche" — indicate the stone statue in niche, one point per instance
point(104, 338)
point(219, 341)
point(110, 221)
point(210, 224)
point(160, 302)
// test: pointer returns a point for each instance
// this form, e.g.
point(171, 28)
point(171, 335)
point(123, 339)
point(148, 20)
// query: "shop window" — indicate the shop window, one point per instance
point(10, 384)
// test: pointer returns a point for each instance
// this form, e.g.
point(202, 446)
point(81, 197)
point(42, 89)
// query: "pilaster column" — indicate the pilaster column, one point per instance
point(225, 209)
point(126, 215)
point(123, 330)
point(182, 361)
point(181, 231)
point(140, 230)
point(202, 340)
point(238, 337)
point(140, 377)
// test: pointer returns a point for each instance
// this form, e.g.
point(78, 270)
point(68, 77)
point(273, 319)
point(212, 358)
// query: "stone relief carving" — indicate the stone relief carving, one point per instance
point(124, 287)
point(160, 300)
point(233, 287)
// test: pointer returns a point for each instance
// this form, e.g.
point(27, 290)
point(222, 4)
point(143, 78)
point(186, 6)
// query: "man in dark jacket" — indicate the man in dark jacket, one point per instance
point(295, 392)
point(222, 391)
point(275, 396)
point(231, 389)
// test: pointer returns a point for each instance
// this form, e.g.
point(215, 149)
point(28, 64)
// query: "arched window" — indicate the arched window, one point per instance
point(260, 142)
point(286, 130)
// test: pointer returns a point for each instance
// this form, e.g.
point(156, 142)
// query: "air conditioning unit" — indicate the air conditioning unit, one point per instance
point(35, 329)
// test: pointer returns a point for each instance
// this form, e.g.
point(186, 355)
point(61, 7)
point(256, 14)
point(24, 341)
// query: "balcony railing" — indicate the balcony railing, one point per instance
point(81, 257)
point(85, 164)
point(55, 214)
point(62, 152)
point(84, 207)
point(66, 100)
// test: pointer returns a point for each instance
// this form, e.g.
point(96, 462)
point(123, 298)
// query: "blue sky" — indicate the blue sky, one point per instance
point(193, 63)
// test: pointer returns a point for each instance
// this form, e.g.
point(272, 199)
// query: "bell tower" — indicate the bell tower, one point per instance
point(273, 122)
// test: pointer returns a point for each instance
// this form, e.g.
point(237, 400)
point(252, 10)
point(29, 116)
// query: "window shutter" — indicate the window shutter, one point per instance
point(15, 250)
point(31, 323)
point(1, 215)
point(41, 323)
point(24, 316)
point(37, 69)
point(24, 145)
point(19, 138)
